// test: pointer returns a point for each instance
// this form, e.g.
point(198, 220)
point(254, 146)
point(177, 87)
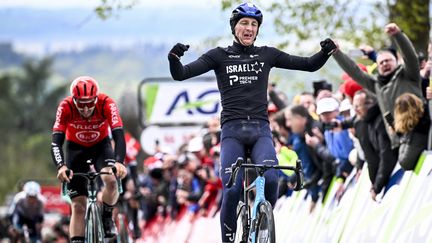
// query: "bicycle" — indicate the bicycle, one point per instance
point(93, 220)
point(258, 225)
point(22, 235)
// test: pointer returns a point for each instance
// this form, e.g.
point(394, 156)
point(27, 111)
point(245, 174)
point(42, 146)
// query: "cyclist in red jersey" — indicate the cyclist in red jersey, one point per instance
point(85, 119)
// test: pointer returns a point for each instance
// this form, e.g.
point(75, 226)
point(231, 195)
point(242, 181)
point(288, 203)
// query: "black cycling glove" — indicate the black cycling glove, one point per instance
point(178, 50)
point(328, 46)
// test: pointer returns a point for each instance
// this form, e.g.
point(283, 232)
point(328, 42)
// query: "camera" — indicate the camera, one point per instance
point(330, 125)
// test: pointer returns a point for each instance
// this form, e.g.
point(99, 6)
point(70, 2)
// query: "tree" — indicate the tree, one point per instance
point(110, 8)
point(36, 101)
point(355, 21)
point(27, 108)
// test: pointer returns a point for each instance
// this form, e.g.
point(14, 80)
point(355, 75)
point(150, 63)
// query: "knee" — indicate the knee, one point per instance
point(78, 208)
point(110, 183)
point(232, 194)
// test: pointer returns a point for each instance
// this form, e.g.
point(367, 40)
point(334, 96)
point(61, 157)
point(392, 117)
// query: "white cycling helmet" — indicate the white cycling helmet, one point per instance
point(32, 188)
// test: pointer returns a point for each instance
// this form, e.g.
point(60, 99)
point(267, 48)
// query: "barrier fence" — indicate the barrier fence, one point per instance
point(402, 214)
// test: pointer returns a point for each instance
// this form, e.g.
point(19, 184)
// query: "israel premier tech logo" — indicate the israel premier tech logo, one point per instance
point(245, 68)
point(255, 67)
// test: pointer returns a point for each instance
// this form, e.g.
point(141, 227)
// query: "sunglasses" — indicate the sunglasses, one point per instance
point(82, 103)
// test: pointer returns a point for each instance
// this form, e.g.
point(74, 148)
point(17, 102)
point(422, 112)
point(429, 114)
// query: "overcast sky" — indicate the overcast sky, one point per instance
point(92, 3)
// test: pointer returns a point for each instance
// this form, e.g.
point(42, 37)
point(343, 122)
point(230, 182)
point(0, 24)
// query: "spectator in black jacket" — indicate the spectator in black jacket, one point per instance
point(376, 144)
point(412, 123)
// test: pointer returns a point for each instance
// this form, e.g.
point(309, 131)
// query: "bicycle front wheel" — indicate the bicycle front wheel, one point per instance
point(94, 231)
point(265, 227)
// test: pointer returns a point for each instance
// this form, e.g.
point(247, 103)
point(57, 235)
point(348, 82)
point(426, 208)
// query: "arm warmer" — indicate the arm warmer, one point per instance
point(57, 149)
point(120, 144)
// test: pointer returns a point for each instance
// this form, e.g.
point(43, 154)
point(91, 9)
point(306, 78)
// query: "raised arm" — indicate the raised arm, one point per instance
point(351, 68)
point(312, 63)
point(407, 51)
point(180, 72)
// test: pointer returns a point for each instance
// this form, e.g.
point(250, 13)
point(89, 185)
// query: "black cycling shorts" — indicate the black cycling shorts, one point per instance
point(77, 158)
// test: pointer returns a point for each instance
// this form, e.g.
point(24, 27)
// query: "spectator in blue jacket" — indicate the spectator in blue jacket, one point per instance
point(337, 139)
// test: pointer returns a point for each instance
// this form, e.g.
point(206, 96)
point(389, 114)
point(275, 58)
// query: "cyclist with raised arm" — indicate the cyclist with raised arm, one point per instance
point(85, 119)
point(242, 71)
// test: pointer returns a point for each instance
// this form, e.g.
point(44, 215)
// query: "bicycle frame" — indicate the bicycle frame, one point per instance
point(259, 185)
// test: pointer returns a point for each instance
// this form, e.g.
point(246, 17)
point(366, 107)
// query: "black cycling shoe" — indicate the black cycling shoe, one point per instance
point(109, 228)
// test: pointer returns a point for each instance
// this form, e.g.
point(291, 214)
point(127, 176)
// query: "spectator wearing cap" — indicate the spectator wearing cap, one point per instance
point(393, 78)
point(345, 109)
point(154, 189)
point(337, 139)
point(349, 87)
point(376, 144)
point(196, 146)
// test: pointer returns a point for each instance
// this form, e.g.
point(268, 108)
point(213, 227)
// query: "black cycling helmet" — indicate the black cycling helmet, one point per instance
point(245, 10)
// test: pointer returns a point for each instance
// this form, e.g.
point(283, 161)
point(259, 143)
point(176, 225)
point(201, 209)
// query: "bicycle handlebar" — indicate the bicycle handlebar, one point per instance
point(235, 167)
point(91, 176)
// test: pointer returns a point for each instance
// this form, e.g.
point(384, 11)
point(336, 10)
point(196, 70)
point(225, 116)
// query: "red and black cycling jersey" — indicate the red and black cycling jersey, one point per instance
point(87, 131)
point(242, 75)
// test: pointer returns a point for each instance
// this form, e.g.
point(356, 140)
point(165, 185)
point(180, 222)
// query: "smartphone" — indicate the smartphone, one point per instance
point(389, 118)
point(356, 53)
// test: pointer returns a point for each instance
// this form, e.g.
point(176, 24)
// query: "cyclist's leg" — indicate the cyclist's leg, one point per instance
point(77, 221)
point(77, 157)
point(231, 149)
point(110, 192)
point(263, 152)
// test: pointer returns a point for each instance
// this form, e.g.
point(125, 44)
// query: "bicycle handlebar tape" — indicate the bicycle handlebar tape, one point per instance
point(299, 177)
point(64, 189)
point(119, 184)
point(235, 167)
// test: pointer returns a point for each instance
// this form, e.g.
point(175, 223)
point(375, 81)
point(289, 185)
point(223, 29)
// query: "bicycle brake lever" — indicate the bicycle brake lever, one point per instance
point(235, 167)
point(119, 184)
